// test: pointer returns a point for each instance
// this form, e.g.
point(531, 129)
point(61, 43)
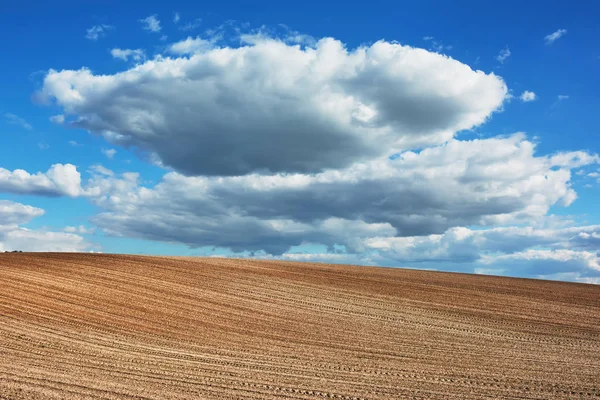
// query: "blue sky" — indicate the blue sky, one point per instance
point(264, 129)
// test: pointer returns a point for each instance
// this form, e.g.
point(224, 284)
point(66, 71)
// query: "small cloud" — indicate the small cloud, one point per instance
point(563, 97)
point(109, 153)
point(151, 23)
point(295, 37)
point(594, 175)
point(16, 120)
point(125, 54)
point(436, 45)
point(306, 40)
point(79, 229)
point(528, 96)
point(163, 38)
point(503, 55)
point(58, 119)
point(190, 26)
point(43, 146)
point(190, 46)
point(74, 143)
point(551, 38)
point(97, 31)
point(176, 18)
point(580, 172)
point(100, 170)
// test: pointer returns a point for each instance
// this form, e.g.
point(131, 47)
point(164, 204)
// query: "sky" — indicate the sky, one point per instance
point(453, 136)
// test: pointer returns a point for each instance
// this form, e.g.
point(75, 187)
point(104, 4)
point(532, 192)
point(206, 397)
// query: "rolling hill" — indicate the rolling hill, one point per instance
point(95, 326)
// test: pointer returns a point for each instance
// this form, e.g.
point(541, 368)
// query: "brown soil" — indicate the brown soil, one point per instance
point(84, 326)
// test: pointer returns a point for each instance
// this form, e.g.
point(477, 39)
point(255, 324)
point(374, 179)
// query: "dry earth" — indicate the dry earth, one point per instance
point(83, 326)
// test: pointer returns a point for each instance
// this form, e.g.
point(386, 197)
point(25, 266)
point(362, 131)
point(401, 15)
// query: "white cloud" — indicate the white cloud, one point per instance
point(191, 46)
point(594, 175)
point(109, 153)
point(101, 170)
point(271, 106)
point(284, 142)
point(550, 261)
point(98, 31)
point(436, 45)
point(43, 145)
point(412, 209)
point(58, 119)
point(292, 36)
point(14, 237)
point(35, 240)
point(551, 38)
point(79, 229)
point(565, 253)
point(573, 159)
point(503, 55)
point(59, 180)
point(462, 244)
point(563, 97)
point(12, 214)
point(462, 183)
point(176, 18)
point(151, 23)
point(16, 120)
point(124, 54)
point(571, 276)
point(74, 143)
point(528, 96)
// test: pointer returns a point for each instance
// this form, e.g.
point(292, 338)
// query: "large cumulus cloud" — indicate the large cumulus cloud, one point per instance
point(270, 107)
point(273, 144)
point(478, 182)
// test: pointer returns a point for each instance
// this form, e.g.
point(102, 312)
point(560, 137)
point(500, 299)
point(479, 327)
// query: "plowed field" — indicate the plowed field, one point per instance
point(89, 326)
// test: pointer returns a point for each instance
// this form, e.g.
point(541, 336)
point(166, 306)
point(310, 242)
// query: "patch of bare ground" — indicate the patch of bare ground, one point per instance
point(84, 326)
